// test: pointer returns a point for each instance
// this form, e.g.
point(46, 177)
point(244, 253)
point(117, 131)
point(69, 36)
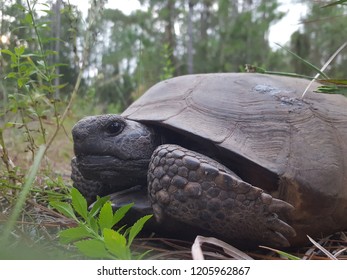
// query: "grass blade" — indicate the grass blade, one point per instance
point(320, 72)
point(320, 247)
point(340, 2)
point(305, 61)
point(197, 253)
point(31, 175)
point(282, 253)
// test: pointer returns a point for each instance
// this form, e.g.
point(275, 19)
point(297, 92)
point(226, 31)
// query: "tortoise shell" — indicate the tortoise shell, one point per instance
point(260, 127)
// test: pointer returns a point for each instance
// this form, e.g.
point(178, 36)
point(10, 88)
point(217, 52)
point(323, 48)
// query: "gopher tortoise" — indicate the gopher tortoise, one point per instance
point(241, 157)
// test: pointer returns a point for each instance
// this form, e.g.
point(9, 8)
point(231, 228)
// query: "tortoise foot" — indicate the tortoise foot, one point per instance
point(199, 191)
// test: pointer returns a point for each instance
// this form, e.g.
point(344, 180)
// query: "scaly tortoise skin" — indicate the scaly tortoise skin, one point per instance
point(238, 156)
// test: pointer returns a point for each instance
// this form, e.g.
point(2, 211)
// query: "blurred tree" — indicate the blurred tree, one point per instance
point(300, 45)
point(228, 34)
point(119, 51)
point(58, 29)
point(322, 34)
point(167, 38)
point(66, 23)
point(12, 34)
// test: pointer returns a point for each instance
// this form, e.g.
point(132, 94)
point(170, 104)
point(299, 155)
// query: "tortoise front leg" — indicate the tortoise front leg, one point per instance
point(199, 191)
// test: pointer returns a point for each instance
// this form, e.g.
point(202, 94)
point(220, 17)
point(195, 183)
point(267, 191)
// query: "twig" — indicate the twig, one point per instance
point(320, 247)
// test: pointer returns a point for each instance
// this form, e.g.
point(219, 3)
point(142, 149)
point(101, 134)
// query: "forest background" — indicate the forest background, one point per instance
point(58, 65)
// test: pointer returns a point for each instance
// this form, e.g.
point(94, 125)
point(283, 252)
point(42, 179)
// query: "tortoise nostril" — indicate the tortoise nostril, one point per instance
point(76, 137)
point(79, 133)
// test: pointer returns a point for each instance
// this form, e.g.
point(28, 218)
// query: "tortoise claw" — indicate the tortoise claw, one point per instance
point(278, 240)
point(281, 207)
point(283, 228)
point(280, 232)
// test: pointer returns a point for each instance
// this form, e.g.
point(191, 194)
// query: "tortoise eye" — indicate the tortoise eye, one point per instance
point(114, 128)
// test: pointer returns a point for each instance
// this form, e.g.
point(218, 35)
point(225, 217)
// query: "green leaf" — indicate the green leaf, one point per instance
point(28, 19)
point(79, 203)
point(116, 244)
point(61, 86)
point(72, 234)
point(7, 52)
point(19, 50)
point(120, 213)
point(98, 204)
point(137, 227)
point(64, 208)
point(106, 216)
point(21, 82)
point(12, 75)
point(92, 248)
point(10, 124)
point(93, 223)
point(18, 6)
point(48, 12)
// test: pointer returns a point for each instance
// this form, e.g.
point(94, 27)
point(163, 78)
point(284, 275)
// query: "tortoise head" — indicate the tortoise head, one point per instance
point(113, 150)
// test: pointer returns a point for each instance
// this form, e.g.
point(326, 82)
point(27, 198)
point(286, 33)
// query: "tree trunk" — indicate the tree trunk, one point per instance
point(190, 50)
point(170, 32)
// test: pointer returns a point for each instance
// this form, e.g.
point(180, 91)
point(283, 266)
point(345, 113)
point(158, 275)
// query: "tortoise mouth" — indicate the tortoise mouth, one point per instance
point(112, 170)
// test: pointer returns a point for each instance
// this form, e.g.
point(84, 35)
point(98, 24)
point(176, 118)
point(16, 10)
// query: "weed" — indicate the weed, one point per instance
point(94, 236)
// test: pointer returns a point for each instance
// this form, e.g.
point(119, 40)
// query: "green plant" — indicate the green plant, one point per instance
point(33, 107)
point(29, 179)
point(33, 95)
point(167, 66)
point(334, 86)
point(94, 236)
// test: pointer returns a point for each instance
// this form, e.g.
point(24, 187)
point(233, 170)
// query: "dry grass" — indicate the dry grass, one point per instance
point(39, 225)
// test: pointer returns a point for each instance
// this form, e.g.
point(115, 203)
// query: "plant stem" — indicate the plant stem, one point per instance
point(30, 10)
point(68, 107)
point(22, 196)
point(5, 157)
point(34, 105)
point(46, 71)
